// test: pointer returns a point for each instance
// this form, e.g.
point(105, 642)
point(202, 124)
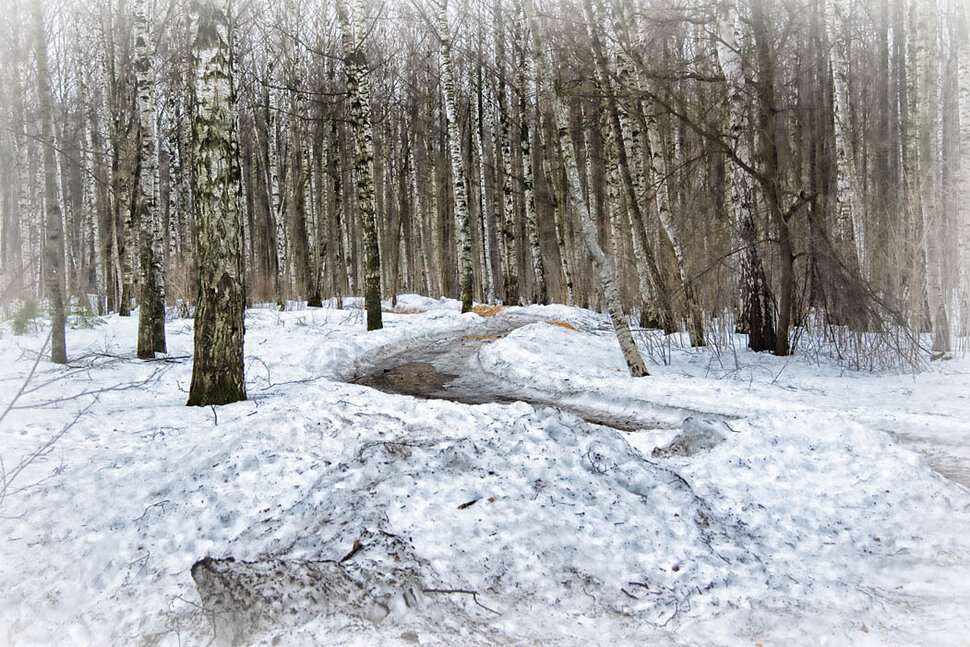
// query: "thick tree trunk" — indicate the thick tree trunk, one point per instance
point(53, 226)
point(355, 60)
point(151, 310)
point(217, 367)
point(850, 209)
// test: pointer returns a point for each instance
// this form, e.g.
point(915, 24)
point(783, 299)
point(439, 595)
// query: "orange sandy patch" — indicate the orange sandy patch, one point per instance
point(562, 324)
point(404, 311)
point(483, 310)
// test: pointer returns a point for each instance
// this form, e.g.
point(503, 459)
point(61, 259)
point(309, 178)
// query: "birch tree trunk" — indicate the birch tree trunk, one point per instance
point(217, 367)
point(601, 262)
point(355, 61)
point(487, 238)
point(503, 152)
point(927, 69)
point(850, 206)
point(622, 138)
point(457, 163)
point(539, 292)
point(962, 171)
point(557, 206)
point(658, 168)
point(53, 226)
point(151, 311)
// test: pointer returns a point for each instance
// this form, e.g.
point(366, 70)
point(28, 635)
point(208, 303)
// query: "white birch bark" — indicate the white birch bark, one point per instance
point(850, 206)
point(151, 311)
point(963, 168)
point(601, 262)
point(358, 89)
point(457, 164)
point(927, 56)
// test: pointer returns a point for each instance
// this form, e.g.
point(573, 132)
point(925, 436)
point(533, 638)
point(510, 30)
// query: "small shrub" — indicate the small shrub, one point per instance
point(25, 319)
point(81, 316)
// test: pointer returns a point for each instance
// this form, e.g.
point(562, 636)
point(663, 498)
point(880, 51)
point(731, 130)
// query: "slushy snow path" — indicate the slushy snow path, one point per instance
point(810, 522)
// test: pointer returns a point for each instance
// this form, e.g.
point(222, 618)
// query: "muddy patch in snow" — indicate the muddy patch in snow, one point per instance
point(449, 369)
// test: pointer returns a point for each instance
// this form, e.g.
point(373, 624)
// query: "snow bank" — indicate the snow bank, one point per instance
point(487, 524)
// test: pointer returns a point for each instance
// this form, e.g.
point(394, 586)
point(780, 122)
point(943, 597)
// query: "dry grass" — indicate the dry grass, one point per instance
point(562, 324)
point(403, 311)
point(483, 310)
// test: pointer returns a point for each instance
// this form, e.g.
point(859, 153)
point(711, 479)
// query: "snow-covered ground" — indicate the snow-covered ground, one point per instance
point(791, 509)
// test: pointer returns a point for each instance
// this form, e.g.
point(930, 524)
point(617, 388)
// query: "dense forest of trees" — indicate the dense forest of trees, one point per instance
point(769, 162)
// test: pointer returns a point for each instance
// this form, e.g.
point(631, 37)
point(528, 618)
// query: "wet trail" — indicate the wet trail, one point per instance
point(447, 370)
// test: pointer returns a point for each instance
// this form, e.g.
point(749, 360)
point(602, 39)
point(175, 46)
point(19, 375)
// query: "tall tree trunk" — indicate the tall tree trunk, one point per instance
point(457, 162)
point(53, 226)
point(850, 209)
point(151, 310)
point(757, 313)
point(503, 152)
point(648, 269)
point(217, 367)
point(539, 292)
point(487, 238)
point(355, 61)
point(927, 61)
point(962, 171)
point(771, 171)
point(601, 262)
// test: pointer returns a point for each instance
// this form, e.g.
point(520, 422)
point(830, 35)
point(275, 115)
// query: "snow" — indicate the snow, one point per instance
point(807, 518)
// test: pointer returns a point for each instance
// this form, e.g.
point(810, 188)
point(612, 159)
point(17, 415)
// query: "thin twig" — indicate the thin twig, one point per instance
point(474, 595)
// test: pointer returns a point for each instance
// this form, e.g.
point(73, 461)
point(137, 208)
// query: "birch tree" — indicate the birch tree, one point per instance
point(217, 367)
point(927, 108)
point(579, 204)
point(358, 91)
point(151, 311)
point(457, 162)
point(53, 226)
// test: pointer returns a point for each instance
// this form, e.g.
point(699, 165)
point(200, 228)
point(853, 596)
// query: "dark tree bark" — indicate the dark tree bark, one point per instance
point(217, 367)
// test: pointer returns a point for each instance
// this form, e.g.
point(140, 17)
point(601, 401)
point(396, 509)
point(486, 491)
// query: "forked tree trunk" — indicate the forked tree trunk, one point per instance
point(611, 292)
point(355, 60)
point(53, 227)
point(217, 367)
